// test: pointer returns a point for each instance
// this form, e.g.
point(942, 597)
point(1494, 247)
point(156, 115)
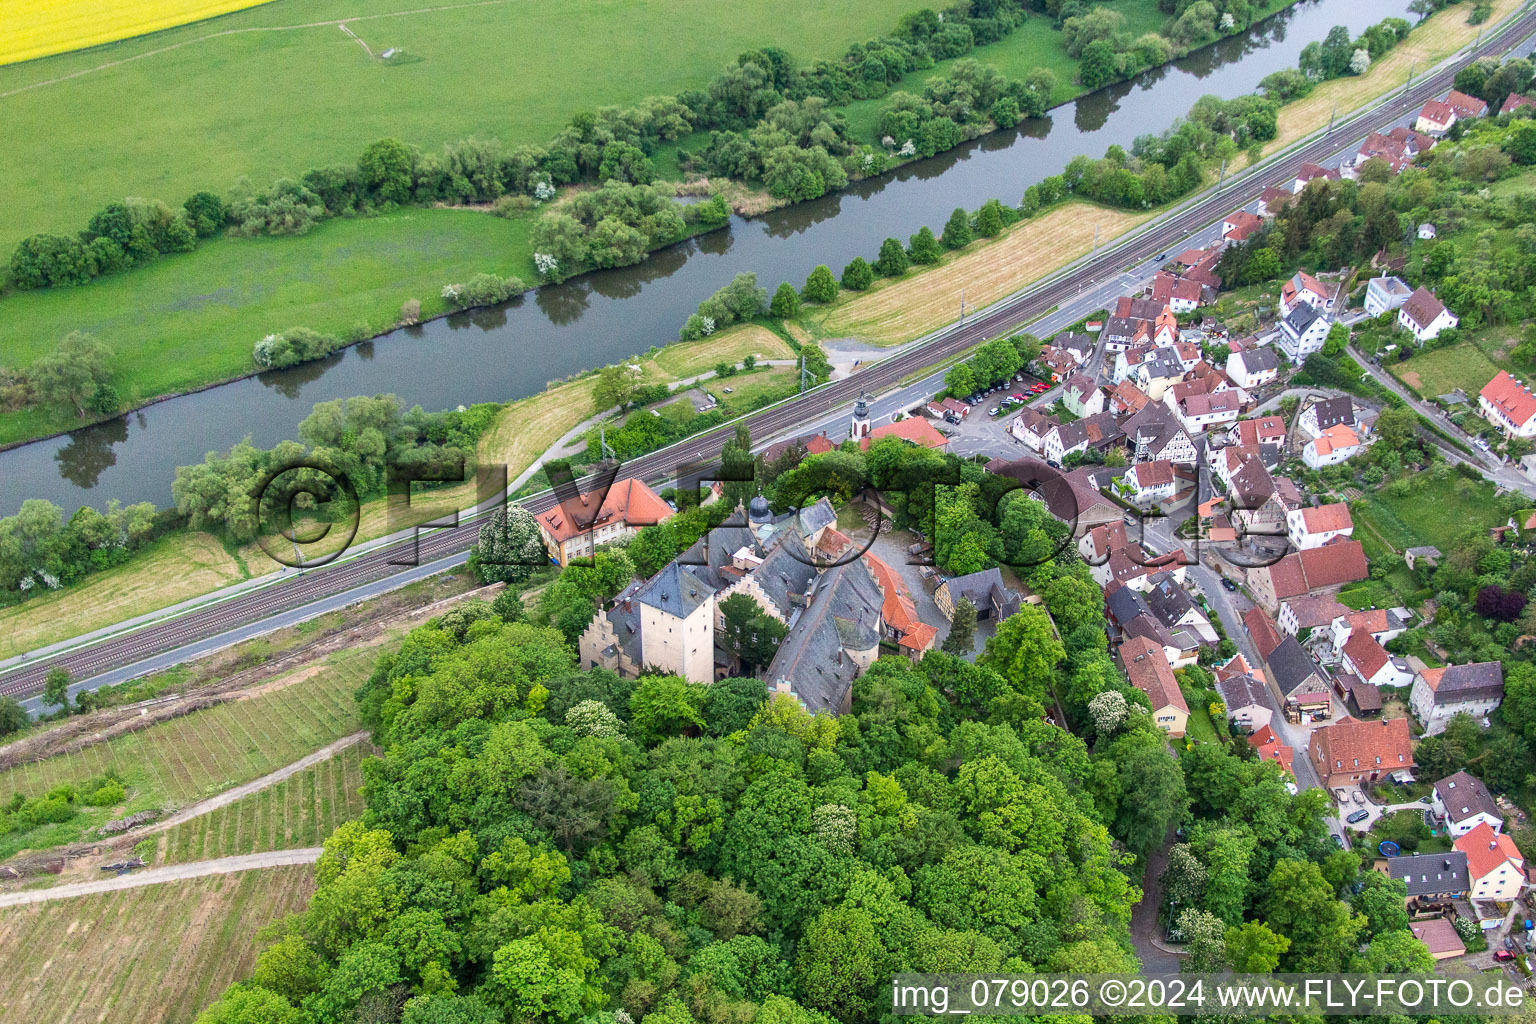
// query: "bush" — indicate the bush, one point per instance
point(480, 290)
point(786, 302)
point(742, 299)
point(291, 347)
point(107, 795)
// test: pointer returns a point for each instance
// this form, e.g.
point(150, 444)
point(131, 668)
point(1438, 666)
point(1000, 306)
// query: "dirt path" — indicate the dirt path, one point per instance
point(229, 796)
point(174, 873)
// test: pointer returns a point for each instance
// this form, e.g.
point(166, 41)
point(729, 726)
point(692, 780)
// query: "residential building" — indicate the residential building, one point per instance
point(1293, 674)
point(811, 444)
point(1152, 482)
point(1308, 572)
point(1058, 363)
point(899, 612)
point(1254, 368)
point(1308, 612)
point(1244, 697)
point(985, 590)
point(1199, 413)
point(1272, 200)
point(1148, 671)
point(576, 526)
point(1261, 631)
point(1310, 172)
point(1078, 346)
point(1031, 427)
point(1182, 294)
point(913, 430)
point(1081, 396)
point(1239, 225)
point(1495, 867)
point(1397, 153)
point(1439, 937)
point(1319, 416)
point(1507, 403)
point(1514, 101)
point(1380, 623)
point(1332, 446)
point(1260, 431)
point(1384, 294)
point(1303, 287)
point(1466, 106)
point(1350, 752)
point(1425, 316)
point(1303, 332)
point(1436, 118)
point(1463, 802)
point(1315, 526)
point(1431, 877)
point(1126, 398)
point(1440, 694)
point(1363, 655)
point(1098, 431)
point(1155, 433)
point(1160, 371)
point(1268, 747)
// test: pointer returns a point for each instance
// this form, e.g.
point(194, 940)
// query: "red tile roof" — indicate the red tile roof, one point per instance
point(1514, 101)
point(1437, 111)
point(1350, 745)
point(1336, 437)
point(1486, 850)
point(628, 500)
point(914, 429)
point(1324, 518)
point(1147, 668)
point(1262, 631)
point(1243, 224)
point(1367, 655)
point(1334, 565)
point(1269, 748)
point(1266, 429)
point(1466, 106)
point(1510, 397)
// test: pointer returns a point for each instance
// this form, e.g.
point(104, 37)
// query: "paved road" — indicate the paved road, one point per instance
point(253, 611)
point(174, 873)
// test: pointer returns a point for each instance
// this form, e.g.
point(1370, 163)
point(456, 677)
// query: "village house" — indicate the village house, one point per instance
point(1160, 371)
point(985, 590)
point(1078, 346)
point(1128, 612)
point(1303, 332)
point(1296, 679)
point(1148, 671)
point(1332, 412)
point(578, 525)
point(1155, 433)
point(1463, 802)
point(1243, 696)
point(1308, 572)
point(1258, 432)
point(1310, 172)
point(1380, 623)
point(1273, 199)
point(1384, 294)
point(1315, 526)
point(1440, 694)
point(1350, 752)
point(1332, 446)
point(1240, 224)
point(1126, 398)
point(1058, 364)
point(1495, 868)
point(1031, 427)
point(1507, 403)
point(1099, 432)
point(1466, 106)
point(1435, 118)
point(1182, 294)
point(1081, 396)
point(1425, 316)
point(1261, 631)
point(1430, 877)
point(1198, 413)
point(1514, 101)
point(1363, 655)
point(1309, 612)
point(1152, 482)
point(1268, 747)
point(1397, 153)
point(913, 430)
point(1303, 287)
point(1254, 368)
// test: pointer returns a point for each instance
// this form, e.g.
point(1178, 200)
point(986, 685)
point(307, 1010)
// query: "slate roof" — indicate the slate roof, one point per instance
point(676, 590)
point(1422, 307)
point(625, 617)
point(817, 517)
point(1260, 360)
point(786, 573)
point(983, 589)
point(1241, 691)
point(1335, 411)
point(1292, 666)
point(1430, 873)
point(843, 613)
point(1481, 680)
point(1096, 431)
point(1301, 318)
point(1465, 796)
point(1169, 601)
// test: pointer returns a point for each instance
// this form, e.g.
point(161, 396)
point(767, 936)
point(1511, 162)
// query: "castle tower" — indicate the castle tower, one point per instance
point(860, 425)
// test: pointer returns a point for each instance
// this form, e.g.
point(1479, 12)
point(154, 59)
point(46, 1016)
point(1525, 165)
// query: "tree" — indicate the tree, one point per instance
point(1205, 941)
point(858, 275)
point(653, 547)
point(749, 632)
point(1109, 711)
point(1397, 429)
point(957, 230)
point(1301, 905)
point(73, 372)
point(56, 687)
point(821, 286)
point(962, 629)
point(385, 168)
point(1253, 949)
point(1024, 650)
point(1381, 900)
point(616, 386)
point(509, 546)
point(1097, 67)
point(893, 260)
point(666, 706)
point(925, 248)
point(1152, 796)
point(786, 302)
point(989, 219)
point(251, 1004)
point(1395, 952)
point(13, 717)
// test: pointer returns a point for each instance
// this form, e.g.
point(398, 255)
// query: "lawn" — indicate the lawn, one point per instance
point(1443, 370)
point(191, 319)
point(144, 955)
point(897, 310)
point(1439, 509)
point(297, 812)
point(754, 390)
point(176, 763)
point(279, 89)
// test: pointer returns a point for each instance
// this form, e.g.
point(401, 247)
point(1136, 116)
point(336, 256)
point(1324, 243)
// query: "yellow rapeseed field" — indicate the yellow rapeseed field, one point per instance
point(37, 28)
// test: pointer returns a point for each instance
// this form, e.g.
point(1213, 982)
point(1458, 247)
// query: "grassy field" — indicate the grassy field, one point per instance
point(1432, 41)
point(191, 319)
point(172, 569)
point(900, 309)
point(748, 391)
point(299, 811)
point(148, 955)
point(45, 27)
point(1444, 370)
point(1441, 507)
point(178, 762)
point(278, 89)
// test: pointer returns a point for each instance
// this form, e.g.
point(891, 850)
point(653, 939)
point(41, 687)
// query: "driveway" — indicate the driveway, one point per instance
point(891, 547)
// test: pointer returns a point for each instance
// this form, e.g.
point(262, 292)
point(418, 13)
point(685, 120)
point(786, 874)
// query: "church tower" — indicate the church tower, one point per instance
point(860, 425)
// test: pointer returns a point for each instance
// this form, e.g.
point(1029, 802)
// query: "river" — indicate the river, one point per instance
point(512, 351)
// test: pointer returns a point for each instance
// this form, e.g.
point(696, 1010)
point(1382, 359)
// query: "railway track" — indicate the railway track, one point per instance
point(313, 585)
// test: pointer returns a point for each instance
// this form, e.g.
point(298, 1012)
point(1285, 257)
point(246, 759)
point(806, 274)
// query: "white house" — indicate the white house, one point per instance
point(1426, 232)
point(1031, 426)
point(1332, 412)
point(1253, 368)
point(1303, 332)
point(1463, 802)
point(1151, 482)
point(1199, 413)
point(1440, 694)
point(1382, 624)
point(1436, 118)
point(1332, 446)
point(1495, 868)
point(1244, 697)
point(1385, 293)
point(1314, 527)
point(1508, 404)
point(1425, 316)
point(1303, 287)
point(1366, 658)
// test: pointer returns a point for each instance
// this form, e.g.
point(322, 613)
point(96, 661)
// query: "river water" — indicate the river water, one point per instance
point(512, 351)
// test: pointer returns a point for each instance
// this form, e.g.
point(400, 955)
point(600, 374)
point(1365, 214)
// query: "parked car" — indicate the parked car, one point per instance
point(1228, 585)
point(1358, 816)
point(1503, 955)
point(1358, 797)
point(992, 411)
point(1337, 839)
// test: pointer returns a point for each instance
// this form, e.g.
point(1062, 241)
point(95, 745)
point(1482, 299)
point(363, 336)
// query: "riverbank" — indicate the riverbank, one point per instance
point(187, 322)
